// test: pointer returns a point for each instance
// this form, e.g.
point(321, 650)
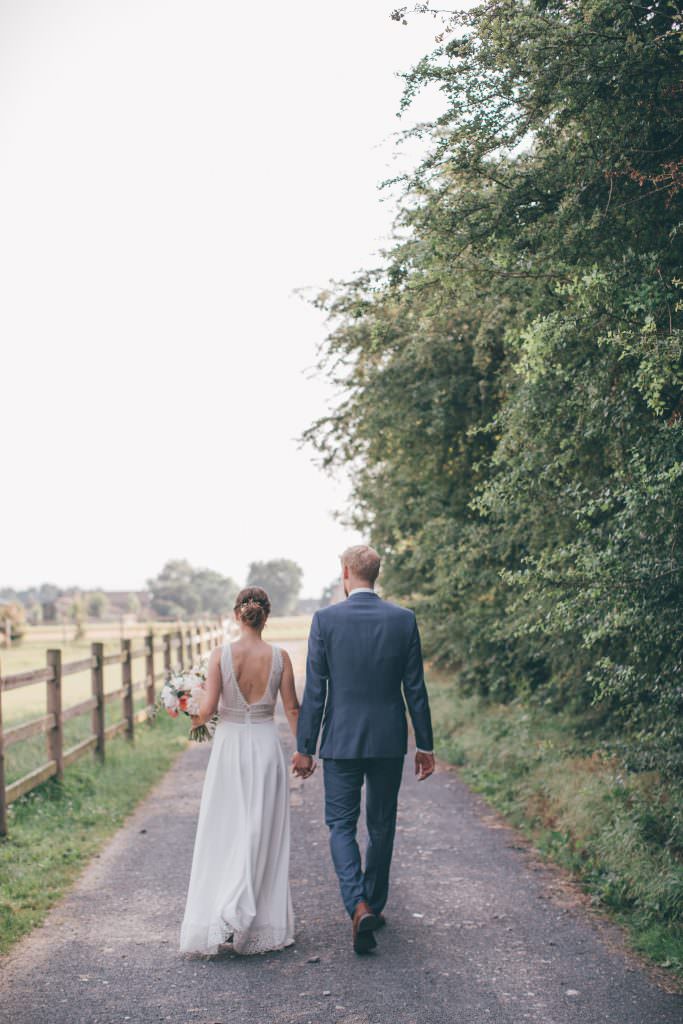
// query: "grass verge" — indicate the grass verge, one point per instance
point(56, 828)
point(619, 833)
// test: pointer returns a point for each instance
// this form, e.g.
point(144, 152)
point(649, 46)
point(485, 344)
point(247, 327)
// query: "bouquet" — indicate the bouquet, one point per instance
point(181, 693)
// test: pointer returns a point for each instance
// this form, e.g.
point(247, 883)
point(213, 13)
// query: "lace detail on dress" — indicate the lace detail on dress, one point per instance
point(256, 940)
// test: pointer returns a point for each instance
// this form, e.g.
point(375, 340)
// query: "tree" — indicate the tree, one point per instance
point(96, 603)
point(281, 578)
point(34, 613)
point(511, 375)
point(77, 615)
point(216, 593)
point(49, 592)
point(47, 596)
point(12, 621)
point(173, 591)
point(181, 591)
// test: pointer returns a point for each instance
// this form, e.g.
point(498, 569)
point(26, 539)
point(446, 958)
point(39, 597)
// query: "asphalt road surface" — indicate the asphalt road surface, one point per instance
point(479, 931)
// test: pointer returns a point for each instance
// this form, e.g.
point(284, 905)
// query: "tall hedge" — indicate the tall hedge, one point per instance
point(511, 374)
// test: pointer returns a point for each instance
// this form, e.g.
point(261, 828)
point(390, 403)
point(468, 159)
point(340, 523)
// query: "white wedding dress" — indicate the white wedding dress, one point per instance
point(239, 881)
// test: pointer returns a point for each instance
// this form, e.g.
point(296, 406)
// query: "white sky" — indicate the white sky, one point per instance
point(170, 170)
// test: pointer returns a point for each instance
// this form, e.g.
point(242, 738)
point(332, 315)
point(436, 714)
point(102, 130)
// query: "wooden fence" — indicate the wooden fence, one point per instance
point(178, 649)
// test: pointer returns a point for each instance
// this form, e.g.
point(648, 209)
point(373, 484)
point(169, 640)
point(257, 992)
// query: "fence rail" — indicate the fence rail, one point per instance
point(27, 678)
point(178, 648)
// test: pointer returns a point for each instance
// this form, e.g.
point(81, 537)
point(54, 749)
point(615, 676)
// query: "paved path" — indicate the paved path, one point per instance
point(479, 931)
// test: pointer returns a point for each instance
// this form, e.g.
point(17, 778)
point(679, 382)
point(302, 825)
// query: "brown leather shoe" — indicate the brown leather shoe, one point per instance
point(364, 923)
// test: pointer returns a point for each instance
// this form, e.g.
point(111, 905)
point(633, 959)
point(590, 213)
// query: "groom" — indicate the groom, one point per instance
point(364, 657)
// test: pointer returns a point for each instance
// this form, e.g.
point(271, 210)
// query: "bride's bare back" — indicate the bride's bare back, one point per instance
point(252, 663)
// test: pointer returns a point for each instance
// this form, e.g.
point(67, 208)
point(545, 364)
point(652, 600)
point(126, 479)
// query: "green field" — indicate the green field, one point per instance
point(30, 701)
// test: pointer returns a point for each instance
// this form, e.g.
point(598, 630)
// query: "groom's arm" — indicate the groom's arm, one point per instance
point(416, 693)
point(315, 692)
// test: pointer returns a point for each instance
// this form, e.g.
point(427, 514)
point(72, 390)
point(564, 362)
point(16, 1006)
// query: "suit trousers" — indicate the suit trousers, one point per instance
point(344, 779)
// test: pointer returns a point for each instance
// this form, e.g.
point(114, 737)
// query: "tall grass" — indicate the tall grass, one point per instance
point(56, 828)
point(23, 757)
point(620, 833)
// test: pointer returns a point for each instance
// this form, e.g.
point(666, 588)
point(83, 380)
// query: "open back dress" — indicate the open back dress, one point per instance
point(239, 880)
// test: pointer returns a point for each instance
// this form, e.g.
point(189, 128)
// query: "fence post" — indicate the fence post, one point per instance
point(55, 735)
point(149, 667)
point(127, 683)
point(189, 639)
point(97, 688)
point(168, 651)
point(3, 802)
point(181, 648)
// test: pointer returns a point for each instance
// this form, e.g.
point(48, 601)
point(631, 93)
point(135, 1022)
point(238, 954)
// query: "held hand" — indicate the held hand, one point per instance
point(424, 765)
point(303, 765)
point(196, 721)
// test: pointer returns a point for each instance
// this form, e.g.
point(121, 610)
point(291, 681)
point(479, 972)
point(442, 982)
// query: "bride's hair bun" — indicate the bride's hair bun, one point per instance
point(252, 605)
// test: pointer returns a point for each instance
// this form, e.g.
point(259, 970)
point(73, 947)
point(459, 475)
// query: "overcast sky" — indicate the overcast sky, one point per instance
point(170, 171)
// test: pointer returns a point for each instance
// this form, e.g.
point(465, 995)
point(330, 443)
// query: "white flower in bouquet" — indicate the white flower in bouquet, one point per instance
point(169, 698)
point(182, 692)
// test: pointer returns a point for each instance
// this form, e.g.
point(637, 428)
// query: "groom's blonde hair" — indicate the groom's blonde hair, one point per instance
point(363, 561)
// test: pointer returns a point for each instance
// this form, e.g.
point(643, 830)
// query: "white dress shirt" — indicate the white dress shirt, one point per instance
point(371, 590)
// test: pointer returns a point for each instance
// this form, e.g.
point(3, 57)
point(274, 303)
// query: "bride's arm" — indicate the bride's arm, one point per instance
point(208, 702)
point(290, 701)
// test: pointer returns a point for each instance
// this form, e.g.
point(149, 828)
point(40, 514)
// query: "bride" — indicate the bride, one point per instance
point(239, 881)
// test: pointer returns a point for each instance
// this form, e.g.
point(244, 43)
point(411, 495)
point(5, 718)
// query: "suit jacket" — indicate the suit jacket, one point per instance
point(364, 658)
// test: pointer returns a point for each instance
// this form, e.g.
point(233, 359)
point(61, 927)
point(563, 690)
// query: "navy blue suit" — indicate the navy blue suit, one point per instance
point(364, 666)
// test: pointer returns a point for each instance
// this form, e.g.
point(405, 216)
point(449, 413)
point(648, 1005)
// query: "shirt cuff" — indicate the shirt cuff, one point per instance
point(421, 751)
